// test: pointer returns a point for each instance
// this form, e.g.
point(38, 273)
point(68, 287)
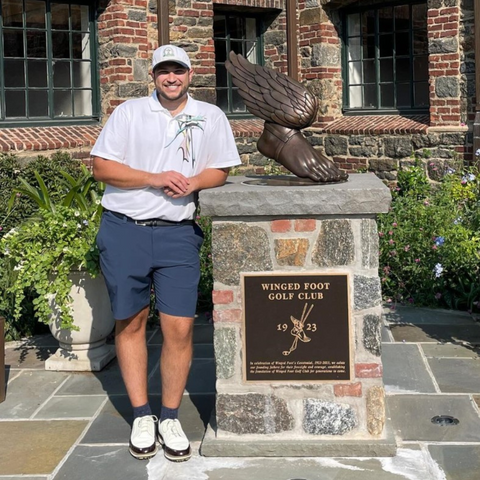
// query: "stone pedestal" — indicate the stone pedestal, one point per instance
point(305, 230)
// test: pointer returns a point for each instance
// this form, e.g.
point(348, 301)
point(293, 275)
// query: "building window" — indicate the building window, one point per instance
point(240, 33)
point(47, 63)
point(386, 59)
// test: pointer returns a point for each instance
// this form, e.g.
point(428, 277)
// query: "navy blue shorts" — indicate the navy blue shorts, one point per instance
point(132, 257)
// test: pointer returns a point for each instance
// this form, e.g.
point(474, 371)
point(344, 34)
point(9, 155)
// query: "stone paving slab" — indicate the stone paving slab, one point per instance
point(411, 418)
point(459, 462)
point(36, 447)
point(404, 369)
point(103, 463)
point(70, 407)
point(454, 375)
point(109, 380)
point(28, 357)
point(450, 351)
point(425, 316)
point(412, 462)
point(27, 391)
point(437, 333)
point(113, 423)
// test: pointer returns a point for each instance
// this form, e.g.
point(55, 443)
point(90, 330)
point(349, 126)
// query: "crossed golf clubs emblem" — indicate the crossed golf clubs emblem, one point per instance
point(297, 331)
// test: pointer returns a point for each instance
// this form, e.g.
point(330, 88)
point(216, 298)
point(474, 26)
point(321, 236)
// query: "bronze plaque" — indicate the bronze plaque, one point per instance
point(296, 327)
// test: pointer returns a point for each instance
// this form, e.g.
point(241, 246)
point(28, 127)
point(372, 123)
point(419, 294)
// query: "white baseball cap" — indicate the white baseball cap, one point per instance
point(170, 53)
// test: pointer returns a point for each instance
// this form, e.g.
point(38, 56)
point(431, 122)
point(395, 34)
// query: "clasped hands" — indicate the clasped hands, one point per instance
point(174, 184)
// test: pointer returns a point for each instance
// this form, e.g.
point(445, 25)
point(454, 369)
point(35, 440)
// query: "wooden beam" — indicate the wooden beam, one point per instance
point(292, 49)
point(476, 124)
point(163, 24)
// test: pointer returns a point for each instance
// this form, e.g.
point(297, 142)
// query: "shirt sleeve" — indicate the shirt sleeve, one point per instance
point(112, 141)
point(223, 151)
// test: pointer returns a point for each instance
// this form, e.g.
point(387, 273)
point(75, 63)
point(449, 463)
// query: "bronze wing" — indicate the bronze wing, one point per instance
point(271, 95)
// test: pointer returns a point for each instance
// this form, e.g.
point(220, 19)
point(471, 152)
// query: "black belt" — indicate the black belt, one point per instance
point(151, 222)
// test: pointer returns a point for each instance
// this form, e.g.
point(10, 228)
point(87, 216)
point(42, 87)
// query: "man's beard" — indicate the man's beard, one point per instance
point(164, 95)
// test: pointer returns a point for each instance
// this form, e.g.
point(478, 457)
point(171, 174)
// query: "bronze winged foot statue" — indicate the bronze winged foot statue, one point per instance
point(286, 106)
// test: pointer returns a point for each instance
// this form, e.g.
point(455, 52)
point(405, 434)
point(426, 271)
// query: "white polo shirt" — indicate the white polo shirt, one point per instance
point(142, 134)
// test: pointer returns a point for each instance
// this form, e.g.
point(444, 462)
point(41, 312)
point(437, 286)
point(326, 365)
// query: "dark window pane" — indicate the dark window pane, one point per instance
point(370, 92)
point(420, 42)
point(15, 104)
point(82, 74)
point(37, 73)
point(386, 70)
point(354, 52)
point(12, 13)
point(35, 13)
point(62, 103)
point(219, 29)
point(221, 75)
point(368, 22)
point(369, 75)
point(82, 102)
point(220, 51)
point(385, 20)
point(402, 43)
point(420, 68)
point(222, 100)
point(355, 94)
point(14, 73)
point(38, 103)
point(369, 47)
point(402, 70)
point(61, 74)
point(419, 15)
point(81, 46)
point(13, 43)
point(59, 13)
point(79, 17)
point(387, 98)
point(403, 95)
point(60, 41)
point(36, 44)
point(237, 47)
point(386, 45)
point(236, 27)
point(402, 17)
point(421, 95)
point(353, 24)
point(238, 104)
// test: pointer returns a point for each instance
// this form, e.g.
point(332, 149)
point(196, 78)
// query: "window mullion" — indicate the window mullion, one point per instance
point(50, 64)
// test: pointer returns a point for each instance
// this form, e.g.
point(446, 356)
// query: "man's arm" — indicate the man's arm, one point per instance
point(209, 178)
point(122, 176)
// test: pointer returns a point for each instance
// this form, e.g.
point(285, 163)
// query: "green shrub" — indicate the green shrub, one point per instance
point(430, 241)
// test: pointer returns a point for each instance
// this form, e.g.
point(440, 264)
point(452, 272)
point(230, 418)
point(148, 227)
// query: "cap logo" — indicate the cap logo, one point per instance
point(168, 52)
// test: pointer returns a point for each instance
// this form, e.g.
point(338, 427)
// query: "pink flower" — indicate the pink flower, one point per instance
point(391, 242)
point(407, 248)
point(394, 224)
point(426, 203)
point(434, 247)
point(438, 296)
point(417, 260)
point(390, 232)
point(381, 234)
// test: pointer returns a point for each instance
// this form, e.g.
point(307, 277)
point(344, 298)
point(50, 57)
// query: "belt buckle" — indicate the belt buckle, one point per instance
point(142, 223)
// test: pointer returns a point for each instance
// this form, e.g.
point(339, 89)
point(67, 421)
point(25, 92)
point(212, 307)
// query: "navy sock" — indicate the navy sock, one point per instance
point(141, 411)
point(168, 413)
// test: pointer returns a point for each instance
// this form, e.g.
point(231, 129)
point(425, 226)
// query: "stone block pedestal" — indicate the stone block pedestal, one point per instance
point(298, 230)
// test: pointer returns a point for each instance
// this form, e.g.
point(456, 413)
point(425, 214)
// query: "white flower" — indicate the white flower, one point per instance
point(438, 270)
point(79, 226)
point(64, 225)
point(18, 267)
point(477, 153)
point(77, 213)
point(6, 252)
point(97, 202)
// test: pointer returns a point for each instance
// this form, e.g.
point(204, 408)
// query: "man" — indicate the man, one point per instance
point(155, 154)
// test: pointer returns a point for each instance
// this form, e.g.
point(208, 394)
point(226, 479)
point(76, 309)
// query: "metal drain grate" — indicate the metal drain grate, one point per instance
point(445, 420)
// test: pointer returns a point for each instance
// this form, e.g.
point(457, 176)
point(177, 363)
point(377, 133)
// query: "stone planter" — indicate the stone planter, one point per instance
point(85, 349)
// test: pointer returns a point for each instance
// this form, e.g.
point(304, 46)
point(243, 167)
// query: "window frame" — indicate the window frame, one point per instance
point(413, 110)
point(94, 118)
point(259, 27)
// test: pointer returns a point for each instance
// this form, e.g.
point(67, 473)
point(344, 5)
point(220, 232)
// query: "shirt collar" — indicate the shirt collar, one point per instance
point(156, 106)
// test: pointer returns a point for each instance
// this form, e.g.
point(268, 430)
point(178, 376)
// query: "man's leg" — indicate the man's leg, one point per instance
point(175, 364)
point(132, 357)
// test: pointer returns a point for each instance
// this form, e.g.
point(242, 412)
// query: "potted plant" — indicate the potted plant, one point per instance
point(54, 254)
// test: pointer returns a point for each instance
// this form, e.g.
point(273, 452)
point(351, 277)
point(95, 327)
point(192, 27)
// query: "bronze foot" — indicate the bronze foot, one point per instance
point(291, 149)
